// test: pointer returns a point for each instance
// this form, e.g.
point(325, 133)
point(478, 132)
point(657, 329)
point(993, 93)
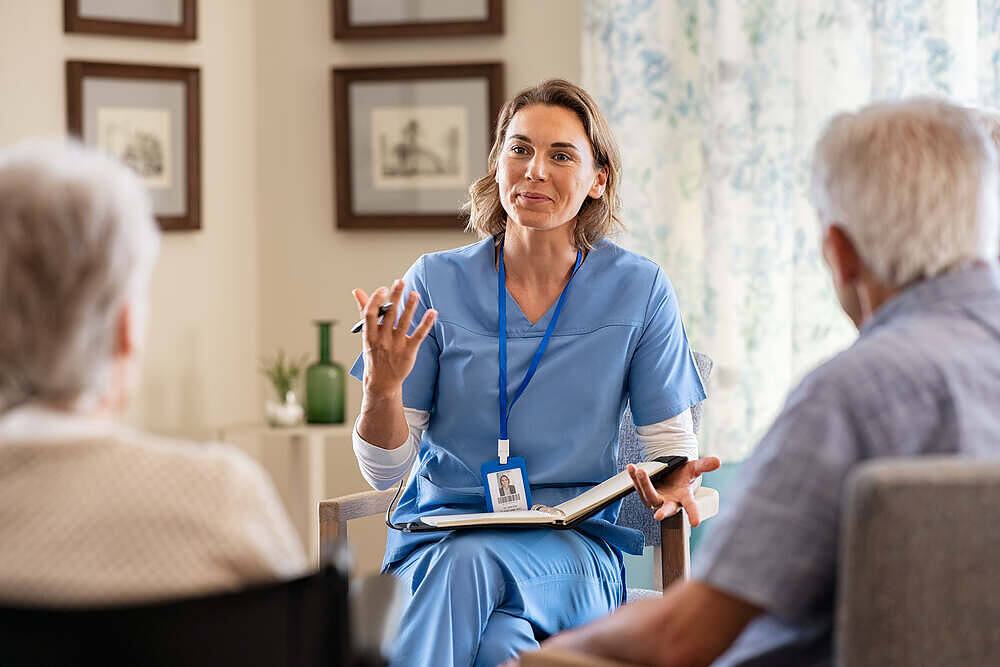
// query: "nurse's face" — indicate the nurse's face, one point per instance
point(546, 168)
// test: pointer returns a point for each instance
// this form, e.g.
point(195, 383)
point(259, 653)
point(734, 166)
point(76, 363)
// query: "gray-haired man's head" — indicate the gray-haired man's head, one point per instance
point(911, 187)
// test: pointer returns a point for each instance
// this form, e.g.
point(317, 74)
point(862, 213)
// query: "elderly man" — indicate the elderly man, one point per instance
point(907, 197)
point(91, 512)
point(989, 120)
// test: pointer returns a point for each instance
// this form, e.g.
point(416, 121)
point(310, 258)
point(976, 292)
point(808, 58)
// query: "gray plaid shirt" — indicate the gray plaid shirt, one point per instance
point(922, 378)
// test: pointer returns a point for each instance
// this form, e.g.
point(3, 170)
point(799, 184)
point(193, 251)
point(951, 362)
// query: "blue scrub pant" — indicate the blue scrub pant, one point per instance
point(481, 597)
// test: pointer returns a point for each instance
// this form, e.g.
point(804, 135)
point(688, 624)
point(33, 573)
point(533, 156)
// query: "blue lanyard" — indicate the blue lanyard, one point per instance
point(503, 442)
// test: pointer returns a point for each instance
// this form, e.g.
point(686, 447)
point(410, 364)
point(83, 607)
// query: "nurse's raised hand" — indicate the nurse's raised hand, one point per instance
point(674, 490)
point(389, 352)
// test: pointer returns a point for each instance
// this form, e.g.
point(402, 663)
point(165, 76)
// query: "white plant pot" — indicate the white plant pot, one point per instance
point(289, 413)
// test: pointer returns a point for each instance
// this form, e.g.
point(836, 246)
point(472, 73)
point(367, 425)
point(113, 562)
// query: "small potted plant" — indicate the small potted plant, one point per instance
point(283, 373)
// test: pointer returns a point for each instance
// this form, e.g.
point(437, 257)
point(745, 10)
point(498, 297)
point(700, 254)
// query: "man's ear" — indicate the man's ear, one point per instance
point(842, 255)
point(600, 183)
point(124, 332)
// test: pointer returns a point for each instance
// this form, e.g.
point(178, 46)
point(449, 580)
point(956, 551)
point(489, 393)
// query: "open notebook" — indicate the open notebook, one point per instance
point(564, 515)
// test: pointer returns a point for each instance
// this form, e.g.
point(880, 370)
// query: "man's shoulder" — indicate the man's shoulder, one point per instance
point(850, 372)
point(914, 357)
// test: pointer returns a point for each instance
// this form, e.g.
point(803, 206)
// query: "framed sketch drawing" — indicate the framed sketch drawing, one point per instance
point(408, 141)
point(382, 19)
point(164, 19)
point(148, 117)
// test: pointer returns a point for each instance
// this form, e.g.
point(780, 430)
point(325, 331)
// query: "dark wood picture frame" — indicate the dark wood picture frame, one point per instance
point(78, 70)
point(188, 29)
point(344, 29)
point(342, 78)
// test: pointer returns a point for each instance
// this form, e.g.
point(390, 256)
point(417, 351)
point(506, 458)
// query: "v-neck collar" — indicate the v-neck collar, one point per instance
point(517, 321)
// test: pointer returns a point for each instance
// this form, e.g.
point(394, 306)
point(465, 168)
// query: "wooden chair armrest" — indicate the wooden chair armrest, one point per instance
point(550, 657)
point(336, 512)
point(675, 537)
point(355, 505)
point(707, 501)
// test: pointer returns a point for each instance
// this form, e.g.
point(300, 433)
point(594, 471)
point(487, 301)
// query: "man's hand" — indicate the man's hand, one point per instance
point(674, 490)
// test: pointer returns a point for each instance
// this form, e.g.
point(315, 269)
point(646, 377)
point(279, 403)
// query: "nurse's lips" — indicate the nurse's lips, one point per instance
point(533, 196)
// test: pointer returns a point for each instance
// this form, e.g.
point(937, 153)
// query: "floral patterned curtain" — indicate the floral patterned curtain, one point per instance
point(717, 104)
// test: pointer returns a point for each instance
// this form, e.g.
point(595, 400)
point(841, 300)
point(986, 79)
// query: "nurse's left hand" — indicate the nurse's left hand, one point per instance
point(674, 490)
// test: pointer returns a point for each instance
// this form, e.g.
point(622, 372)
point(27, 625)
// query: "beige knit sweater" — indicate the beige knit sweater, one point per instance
point(94, 513)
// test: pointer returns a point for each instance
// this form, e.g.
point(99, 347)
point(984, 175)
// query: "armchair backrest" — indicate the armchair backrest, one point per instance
point(919, 569)
point(300, 623)
point(633, 513)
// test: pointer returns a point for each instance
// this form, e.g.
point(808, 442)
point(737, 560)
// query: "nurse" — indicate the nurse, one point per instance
point(516, 356)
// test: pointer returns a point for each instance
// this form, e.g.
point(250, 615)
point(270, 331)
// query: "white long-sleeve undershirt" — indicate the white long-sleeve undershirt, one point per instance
point(382, 468)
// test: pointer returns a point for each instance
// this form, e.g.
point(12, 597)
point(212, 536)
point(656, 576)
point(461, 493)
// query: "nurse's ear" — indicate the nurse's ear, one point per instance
point(600, 183)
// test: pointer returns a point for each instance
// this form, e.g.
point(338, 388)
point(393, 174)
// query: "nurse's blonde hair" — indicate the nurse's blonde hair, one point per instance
point(597, 218)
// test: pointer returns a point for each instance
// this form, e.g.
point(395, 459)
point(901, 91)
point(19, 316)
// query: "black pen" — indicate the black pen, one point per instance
point(382, 310)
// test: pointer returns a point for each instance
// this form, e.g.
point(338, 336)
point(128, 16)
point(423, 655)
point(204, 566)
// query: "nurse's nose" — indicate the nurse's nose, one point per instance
point(536, 169)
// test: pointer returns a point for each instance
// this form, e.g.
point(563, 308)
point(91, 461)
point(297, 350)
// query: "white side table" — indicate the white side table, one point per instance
point(306, 470)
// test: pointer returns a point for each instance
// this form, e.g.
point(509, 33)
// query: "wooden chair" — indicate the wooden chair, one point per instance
point(671, 558)
point(669, 538)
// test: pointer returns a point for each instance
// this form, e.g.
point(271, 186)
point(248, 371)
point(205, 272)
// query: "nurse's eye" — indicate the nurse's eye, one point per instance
point(518, 150)
point(562, 157)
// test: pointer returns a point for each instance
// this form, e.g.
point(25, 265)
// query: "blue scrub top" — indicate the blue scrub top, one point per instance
point(619, 339)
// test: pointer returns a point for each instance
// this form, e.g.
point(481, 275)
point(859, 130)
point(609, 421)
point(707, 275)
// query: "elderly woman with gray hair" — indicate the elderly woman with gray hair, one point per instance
point(89, 510)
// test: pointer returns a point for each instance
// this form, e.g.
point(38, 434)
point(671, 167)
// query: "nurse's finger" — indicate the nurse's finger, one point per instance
point(703, 465)
point(644, 487)
point(426, 322)
point(640, 488)
point(687, 502)
point(371, 312)
point(360, 298)
point(412, 299)
point(667, 509)
point(396, 297)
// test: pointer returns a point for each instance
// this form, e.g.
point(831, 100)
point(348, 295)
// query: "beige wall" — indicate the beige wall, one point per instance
point(268, 259)
point(203, 333)
point(307, 266)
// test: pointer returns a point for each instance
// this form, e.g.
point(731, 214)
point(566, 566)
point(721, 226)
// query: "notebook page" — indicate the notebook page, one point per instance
point(484, 518)
point(609, 488)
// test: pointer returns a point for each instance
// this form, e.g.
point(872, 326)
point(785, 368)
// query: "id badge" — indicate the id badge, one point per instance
point(506, 485)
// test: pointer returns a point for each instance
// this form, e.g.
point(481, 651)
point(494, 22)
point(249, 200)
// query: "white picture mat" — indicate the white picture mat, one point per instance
point(140, 138)
point(431, 141)
point(158, 95)
point(382, 12)
point(364, 97)
point(167, 12)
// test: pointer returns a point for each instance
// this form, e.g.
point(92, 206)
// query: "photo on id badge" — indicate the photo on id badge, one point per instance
point(507, 490)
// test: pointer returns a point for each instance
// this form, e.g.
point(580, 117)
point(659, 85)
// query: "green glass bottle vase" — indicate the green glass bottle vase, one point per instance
point(325, 383)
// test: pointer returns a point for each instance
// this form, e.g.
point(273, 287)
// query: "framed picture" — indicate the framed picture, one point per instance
point(150, 118)
point(165, 19)
point(408, 141)
point(381, 19)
